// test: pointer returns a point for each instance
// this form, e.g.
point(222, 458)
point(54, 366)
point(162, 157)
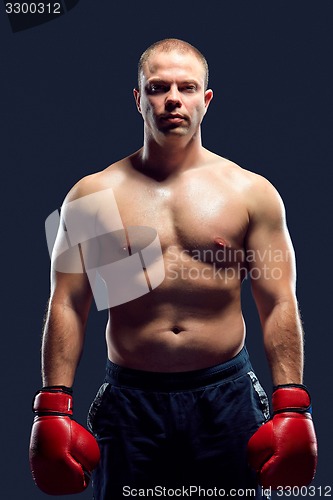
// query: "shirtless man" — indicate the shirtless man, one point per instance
point(180, 400)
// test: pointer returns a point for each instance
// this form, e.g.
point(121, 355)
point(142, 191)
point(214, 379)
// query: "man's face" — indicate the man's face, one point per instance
point(172, 98)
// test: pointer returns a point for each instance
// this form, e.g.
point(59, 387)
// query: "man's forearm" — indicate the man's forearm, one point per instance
point(62, 345)
point(283, 339)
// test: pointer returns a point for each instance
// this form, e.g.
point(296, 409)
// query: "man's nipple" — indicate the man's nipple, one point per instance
point(220, 242)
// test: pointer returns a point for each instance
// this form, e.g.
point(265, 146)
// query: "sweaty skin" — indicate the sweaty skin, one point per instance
point(193, 319)
point(215, 221)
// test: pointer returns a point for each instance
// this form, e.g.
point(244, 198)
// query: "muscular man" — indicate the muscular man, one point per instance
point(180, 400)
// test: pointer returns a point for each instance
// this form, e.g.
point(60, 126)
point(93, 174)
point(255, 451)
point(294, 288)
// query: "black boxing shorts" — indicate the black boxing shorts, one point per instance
point(177, 434)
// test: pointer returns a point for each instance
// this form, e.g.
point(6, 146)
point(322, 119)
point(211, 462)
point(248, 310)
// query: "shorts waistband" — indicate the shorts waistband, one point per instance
point(161, 381)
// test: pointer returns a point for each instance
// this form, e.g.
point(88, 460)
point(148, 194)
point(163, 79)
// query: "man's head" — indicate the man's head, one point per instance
point(172, 95)
point(169, 45)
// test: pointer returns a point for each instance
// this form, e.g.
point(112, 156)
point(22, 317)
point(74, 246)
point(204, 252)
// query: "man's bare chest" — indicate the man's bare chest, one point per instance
point(197, 217)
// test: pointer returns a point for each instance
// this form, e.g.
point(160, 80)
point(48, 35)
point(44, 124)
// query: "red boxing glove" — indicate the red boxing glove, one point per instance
point(62, 452)
point(283, 451)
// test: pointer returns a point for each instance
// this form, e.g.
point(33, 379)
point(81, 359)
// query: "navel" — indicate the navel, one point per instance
point(175, 329)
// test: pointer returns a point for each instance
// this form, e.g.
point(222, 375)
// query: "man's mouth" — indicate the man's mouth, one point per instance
point(173, 118)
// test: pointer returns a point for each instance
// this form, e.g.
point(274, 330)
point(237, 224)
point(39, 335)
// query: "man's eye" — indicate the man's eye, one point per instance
point(190, 88)
point(156, 88)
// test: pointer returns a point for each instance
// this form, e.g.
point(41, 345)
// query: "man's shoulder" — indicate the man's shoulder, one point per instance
point(230, 169)
point(256, 190)
point(98, 181)
point(263, 198)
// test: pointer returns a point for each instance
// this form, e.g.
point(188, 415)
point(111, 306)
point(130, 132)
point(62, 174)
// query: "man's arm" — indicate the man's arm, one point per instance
point(64, 330)
point(283, 450)
point(71, 294)
point(272, 269)
point(62, 452)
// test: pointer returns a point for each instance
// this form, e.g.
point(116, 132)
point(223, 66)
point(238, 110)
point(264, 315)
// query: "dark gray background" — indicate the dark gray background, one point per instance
point(67, 111)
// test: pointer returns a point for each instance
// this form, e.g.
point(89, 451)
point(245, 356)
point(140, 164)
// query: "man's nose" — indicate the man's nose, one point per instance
point(173, 98)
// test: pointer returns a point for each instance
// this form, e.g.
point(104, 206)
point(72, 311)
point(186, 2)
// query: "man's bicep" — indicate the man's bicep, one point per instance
point(69, 282)
point(270, 257)
point(65, 257)
point(71, 290)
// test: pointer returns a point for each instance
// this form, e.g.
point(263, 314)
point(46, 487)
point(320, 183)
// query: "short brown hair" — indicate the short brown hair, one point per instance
point(169, 45)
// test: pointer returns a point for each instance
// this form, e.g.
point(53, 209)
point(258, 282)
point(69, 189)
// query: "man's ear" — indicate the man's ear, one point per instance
point(208, 97)
point(136, 93)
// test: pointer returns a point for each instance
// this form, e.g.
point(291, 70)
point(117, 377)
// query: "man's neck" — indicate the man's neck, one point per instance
point(172, 157)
